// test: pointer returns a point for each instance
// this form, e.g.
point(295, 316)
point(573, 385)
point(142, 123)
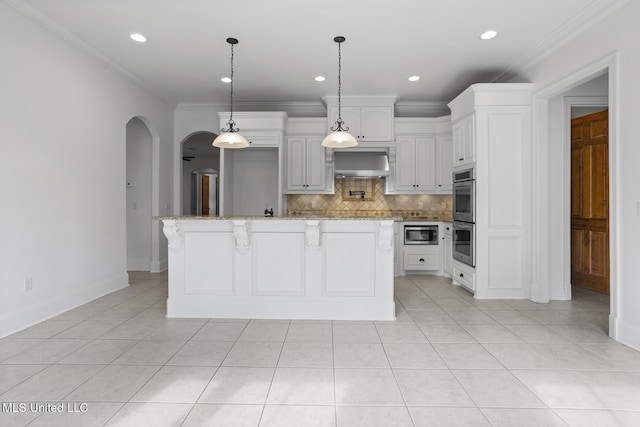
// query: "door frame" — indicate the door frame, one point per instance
point(569, 102)
point(541, 280)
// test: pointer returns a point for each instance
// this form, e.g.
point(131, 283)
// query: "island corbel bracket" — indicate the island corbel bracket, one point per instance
point(241, 234)
point(173, 231)
point(385, 236)
point(312, 234)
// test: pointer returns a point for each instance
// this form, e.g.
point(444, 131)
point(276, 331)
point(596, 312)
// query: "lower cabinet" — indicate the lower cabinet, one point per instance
point(424, 258)
point(464, 276)
point(447, 250)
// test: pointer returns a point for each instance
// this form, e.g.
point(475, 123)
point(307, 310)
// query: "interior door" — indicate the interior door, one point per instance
point(205, 194)
point(590, 202)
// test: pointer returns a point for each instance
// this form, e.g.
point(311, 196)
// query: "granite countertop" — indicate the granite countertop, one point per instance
point(286, 218)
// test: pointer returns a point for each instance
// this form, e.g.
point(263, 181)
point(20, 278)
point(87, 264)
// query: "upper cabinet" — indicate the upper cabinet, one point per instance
point(444, 163)
point(464, 152)
point(421, 160)
point(305, 165)
point(415, 165)
point(307, 168)
point(369, 119)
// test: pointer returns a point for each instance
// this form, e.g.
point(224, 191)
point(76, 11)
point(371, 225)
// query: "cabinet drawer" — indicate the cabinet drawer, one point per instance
point(464, 276)
point(263, 140)
point(424, 261)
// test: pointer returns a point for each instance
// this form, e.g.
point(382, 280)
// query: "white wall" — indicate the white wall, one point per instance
point(619, 33)
point(139, 156)
point(63, 122)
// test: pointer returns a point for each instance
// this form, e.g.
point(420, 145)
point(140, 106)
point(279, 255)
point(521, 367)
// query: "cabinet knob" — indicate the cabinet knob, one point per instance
point(421, 260)
point(461, 159)
point(461, 275)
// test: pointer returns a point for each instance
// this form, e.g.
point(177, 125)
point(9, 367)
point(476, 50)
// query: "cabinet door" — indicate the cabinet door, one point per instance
point(316, 171)
point(376, 124)
point(464, 142)
point(447, 255)
point(425, 164)
point(444, 166)
point(296, 164)
point(350, 117)
point(405, 165)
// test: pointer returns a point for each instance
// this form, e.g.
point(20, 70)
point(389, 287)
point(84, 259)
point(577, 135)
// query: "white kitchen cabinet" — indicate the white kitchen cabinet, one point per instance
point(492, 134)
point(464, 153)
point(447, 249)
point(444, 164)
point(370, 124)
point(421, 258)
point(464, 276)
point(369, 118)
point(415, 162)
point(306, 169)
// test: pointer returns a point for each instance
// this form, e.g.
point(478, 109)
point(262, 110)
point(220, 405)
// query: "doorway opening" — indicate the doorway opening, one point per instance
point(200, 173)
point(139, 143)
point(594, 85)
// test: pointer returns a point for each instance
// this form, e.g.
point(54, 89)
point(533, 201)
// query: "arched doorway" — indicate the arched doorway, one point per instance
point(199, 159)
point(139, 146)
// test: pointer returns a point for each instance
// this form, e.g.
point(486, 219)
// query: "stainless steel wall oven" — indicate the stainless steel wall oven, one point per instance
point(463, 242)
point(464, 216)
point(464, 200)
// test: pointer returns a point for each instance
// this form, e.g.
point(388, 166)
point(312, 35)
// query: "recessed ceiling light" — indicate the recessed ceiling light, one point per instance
point(138, 37)
point(414, 78)
point(225, 80)
point(487, 35)
point(319, 78)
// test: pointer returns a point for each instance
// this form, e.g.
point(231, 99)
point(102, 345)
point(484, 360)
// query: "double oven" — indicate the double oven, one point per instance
point(464, 205)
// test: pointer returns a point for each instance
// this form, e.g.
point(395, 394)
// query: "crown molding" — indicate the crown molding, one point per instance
point(421, 109)
point(581, 22)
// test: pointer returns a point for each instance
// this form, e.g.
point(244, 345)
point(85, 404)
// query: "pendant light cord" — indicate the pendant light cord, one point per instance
point(231, 123)
point(339, 122)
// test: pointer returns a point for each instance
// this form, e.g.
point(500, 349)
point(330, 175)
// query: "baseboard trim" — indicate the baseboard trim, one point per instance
point(159, 266)
point(624, 333)
point(18, 320)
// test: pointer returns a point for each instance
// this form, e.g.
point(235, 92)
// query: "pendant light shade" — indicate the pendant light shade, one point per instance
point(230, 138)
point(339, 138)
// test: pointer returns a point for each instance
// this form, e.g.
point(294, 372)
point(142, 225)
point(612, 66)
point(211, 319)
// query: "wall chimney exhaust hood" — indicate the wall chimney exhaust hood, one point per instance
point(365, 164)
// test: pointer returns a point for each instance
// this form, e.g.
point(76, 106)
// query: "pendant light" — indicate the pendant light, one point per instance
point(230, 138)
point(339, 138)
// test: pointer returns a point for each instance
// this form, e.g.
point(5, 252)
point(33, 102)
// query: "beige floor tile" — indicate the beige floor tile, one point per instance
point(98, 352)
point(355, 333)
point(306, 355)
point(96, 414)
point(296, 416)
point(413, 356)
point(175, 384)
point(359, 355)
point(209, 415)
point(448, 417)
point(150, 414)
point(201, 353)
point(446, 334)
point(51, 384)
point(367, 387)
point(523, 418)
point(113, 384)
point(238, 386)
point(467, 356)
point(257, 354)
point(302, 386)
point(496, 389)
point(371, 416)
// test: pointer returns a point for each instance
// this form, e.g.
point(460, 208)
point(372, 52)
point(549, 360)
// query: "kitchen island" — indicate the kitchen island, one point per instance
point(281, 268)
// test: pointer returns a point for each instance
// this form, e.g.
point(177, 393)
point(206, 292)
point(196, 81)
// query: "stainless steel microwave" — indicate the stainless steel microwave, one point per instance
point(420, 234)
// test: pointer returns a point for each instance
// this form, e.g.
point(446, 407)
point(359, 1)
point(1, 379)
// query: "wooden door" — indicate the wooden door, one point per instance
point(590, 202)
point(205, 194)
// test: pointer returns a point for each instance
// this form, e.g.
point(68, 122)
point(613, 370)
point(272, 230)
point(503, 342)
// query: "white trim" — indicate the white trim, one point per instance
point(29, 316)
point(540, 285)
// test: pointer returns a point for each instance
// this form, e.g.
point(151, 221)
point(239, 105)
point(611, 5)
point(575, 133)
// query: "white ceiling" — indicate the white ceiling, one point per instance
point(285, 43)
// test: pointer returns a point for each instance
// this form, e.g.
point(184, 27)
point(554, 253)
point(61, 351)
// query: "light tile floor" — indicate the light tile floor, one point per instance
point(448, 360)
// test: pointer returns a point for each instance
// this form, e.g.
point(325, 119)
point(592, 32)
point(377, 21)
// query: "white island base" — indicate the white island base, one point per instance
point(273, 268)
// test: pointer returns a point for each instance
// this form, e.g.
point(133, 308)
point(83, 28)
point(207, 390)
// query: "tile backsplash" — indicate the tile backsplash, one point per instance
point(376, 204)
